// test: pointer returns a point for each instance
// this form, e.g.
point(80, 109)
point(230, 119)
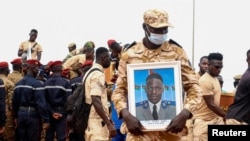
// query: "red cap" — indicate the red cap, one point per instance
point(33, 62)
point(16, 61)
point(4, 65)
point(87, 63)
point(49, 63)
point(110, 42)
point(55, 63)
point(65, 73)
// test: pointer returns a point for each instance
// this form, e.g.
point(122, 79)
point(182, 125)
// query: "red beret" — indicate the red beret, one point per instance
point(49, 63)
point(55, 63)
point(65, 73)
point(86, 63)
point(4, 65)
point(33, 62)
point(110, 42)
point(16, 61)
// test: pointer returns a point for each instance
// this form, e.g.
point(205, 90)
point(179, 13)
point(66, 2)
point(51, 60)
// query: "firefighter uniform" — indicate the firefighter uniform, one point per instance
point(9, 134)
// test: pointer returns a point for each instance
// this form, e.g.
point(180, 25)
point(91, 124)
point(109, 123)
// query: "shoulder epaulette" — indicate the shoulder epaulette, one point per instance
point(165, 103)
point(144, 104)
point(129, 46)
point(174, 42)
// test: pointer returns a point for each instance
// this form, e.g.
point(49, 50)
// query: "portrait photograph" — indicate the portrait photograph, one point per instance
point(155, 93)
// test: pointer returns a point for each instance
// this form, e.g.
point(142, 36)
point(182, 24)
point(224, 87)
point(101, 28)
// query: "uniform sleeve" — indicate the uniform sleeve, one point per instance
point(2, 104)
point(190, 83)
point(41, 102)
point(68, 90)
point(97, 85)
point(39, 48)
point(119, 96)
point(10, 90)
point(82, 59)
point(47, 97)
point(21, 46)
point(15, 102)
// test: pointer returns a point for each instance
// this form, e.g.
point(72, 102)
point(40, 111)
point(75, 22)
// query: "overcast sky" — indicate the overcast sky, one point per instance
point(218, 26)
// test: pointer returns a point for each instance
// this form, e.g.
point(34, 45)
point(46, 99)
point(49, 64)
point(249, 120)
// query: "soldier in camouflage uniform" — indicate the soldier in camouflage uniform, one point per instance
point(155, 47)
point(9, 134)
point(17, 70)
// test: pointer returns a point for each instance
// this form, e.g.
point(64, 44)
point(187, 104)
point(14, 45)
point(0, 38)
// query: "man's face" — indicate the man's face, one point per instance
point(154, 90)
point(203, 65)
point(106, 60)
point(33, 36)
point(215, 67)
point(72, 48)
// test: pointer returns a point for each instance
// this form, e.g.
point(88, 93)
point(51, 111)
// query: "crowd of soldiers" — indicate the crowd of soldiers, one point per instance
point(27, 68)
point(33, 95)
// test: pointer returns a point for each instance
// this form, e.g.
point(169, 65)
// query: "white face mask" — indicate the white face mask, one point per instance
point(157, 39)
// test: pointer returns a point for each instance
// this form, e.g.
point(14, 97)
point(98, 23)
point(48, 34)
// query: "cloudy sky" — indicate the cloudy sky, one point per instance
point(200, 26)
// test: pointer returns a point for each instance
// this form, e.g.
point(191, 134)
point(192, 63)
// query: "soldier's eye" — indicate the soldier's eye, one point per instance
point(153, 88)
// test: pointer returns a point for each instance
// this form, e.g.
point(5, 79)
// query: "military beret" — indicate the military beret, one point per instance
point(89, 44)
point(65, 73)
point(87, 63)
point(71, 45)
point(4, 65)
point(156, 18)
point(237, 77)
point(110, 42)
point(33, 62)
point(49, 63)
point(16, 61)
point(55, 63)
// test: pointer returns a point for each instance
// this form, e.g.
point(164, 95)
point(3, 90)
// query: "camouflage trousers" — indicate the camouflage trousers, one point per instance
point(234, 122)
point(153, 136)
point(200, 128)
point(9, 132)
point(189, 136)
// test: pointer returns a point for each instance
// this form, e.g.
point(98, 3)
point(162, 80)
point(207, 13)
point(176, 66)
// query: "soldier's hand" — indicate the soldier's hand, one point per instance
point(46, 126)
point(112, 130)
point(1, 130)
point(57, 115)
point(133, 124)
point(178, 123)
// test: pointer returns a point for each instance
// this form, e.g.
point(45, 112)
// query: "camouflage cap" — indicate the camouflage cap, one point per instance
point(71, 45)
point(237, 77)
point(89, 44)
point(156, 18)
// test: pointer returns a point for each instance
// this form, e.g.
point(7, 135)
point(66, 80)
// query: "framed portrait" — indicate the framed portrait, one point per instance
point(155, 93)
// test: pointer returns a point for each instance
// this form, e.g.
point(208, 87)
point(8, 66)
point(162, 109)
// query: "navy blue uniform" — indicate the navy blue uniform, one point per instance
point(2, 104)
point(57, 90)
point(29, 107)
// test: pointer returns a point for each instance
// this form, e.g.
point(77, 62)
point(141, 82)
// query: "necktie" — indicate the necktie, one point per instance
point(155, 115)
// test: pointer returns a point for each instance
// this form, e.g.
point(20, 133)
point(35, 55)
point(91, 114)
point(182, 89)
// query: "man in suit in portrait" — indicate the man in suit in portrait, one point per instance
point(155, 108)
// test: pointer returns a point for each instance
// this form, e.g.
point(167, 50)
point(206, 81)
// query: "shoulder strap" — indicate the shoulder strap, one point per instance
point(34, 45)
point(129, 46)
point(174, 42)
point(86, 75)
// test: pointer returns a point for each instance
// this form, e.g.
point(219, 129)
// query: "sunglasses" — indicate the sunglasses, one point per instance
point(218, 67)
